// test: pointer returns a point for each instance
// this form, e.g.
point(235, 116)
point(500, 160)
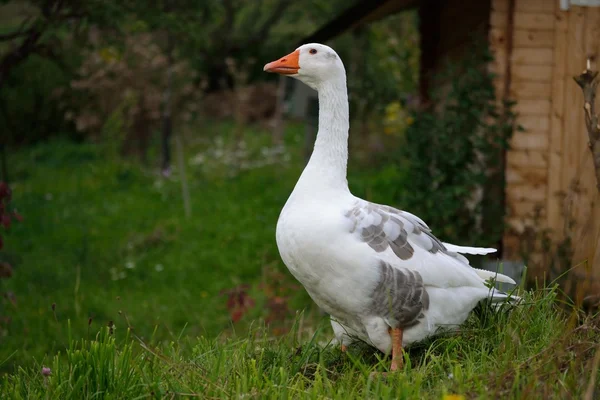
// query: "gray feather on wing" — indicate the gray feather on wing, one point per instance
point(383, 226)
point(399, 297)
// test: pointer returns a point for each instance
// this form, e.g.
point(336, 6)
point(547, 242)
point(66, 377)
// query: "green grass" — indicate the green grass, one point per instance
point(535, 350)
point(105, 241)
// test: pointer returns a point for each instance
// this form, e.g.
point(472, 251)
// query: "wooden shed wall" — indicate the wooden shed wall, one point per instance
point(549, 167)
point(443, 39)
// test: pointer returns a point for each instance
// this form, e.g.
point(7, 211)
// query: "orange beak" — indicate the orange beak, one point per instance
point(287, 65)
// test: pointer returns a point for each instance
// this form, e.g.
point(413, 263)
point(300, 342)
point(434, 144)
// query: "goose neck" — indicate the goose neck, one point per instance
point(330, 154)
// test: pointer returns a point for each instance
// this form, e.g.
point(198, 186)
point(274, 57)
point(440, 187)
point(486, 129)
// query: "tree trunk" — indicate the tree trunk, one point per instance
point(4, 163)
point(167, 112)
point(185, 191)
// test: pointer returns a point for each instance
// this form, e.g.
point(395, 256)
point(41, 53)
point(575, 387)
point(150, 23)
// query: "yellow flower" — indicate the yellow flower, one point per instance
point(108, 54)
point(453, 397)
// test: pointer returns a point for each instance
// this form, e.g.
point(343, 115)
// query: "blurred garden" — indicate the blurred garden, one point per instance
point(144, 156)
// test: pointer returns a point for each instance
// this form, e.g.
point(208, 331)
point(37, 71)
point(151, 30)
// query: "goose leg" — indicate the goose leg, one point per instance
point(397, 358)
point(344, 348)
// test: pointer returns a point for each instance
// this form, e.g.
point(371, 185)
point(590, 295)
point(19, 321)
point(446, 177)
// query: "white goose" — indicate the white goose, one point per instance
point(378, 271)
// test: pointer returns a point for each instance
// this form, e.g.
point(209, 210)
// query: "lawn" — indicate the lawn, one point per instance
point(104, 238)
point(530, 352)
point(203, 306)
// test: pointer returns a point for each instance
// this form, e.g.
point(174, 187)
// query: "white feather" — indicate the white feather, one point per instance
point(469, 250)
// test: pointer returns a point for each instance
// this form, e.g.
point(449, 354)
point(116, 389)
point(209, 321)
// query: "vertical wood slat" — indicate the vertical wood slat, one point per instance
point(538, 6)
point(573, 36)
point(588, 227)
point(573, 122)
point(596, 208)
point(555, 156)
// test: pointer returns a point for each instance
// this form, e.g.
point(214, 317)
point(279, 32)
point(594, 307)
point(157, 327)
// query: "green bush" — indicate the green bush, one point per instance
point(454, 155)
point(29, 103)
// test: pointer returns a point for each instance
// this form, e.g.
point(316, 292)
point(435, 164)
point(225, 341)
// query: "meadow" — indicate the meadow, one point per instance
point(116, 293)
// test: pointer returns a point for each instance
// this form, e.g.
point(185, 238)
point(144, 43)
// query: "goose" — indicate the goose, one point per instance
point(378, 271)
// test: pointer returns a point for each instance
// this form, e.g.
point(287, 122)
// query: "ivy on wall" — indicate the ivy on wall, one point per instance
point(454, 154)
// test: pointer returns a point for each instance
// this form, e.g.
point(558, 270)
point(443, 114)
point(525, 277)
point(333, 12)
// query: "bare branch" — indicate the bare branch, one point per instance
point(51, 13)
point(227, 25)
point(21, 31)
point(588, 83)
point(14, 35)
point(263, 31)
point(14, 57)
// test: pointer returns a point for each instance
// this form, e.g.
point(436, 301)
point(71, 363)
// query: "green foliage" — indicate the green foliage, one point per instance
point(454, 155)
point(203, 34)
point(39, 52)
point(382, 63)
point(532, 351)
point(29, 106)
point(208, 33)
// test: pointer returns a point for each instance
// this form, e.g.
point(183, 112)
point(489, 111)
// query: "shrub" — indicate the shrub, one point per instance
point(454, 154)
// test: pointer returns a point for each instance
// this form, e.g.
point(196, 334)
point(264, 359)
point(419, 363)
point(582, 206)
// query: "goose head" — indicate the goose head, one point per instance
point(314, 64)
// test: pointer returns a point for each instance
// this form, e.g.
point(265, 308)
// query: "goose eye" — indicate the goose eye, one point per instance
point(312, 51)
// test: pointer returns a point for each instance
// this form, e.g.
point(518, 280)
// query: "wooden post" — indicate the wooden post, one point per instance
point(167, 111)
point(429, 30)
point(185, 191)
point(588, 83)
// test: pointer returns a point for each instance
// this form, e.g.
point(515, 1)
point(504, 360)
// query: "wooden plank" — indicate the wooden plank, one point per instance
point(533, 38)
point(498, 66)
point(497, 38)
point(596, 254)
point(530, 20)
point(587, 200)
point(538, 123)
point(533, 107)
point(529, 141)
point(592, 42)
point(498, 83)
point(588, 47)
point(498, 19)
point(528, 209)
point(530, 90)
point(532, 73)
point(539, 6)
point(528, 175)
point(500, 5)
point(519, 225)
point(526, 192)
point(526, 158)
point(498, 69)
point(573, 105)
point(592, 32)
point(532, 56)
point(554, 216)
point(512, 245)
